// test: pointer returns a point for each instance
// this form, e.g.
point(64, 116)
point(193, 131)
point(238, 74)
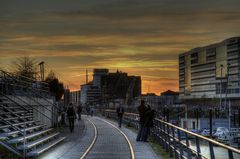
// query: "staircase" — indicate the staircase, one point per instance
point(19, 131)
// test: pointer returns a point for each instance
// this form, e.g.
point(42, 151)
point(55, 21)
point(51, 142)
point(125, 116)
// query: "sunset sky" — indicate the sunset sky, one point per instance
point(140, 37)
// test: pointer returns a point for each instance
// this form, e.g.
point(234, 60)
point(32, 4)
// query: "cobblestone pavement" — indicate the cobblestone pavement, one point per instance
point(75, 144)
point(110, 143)
point(142, 150)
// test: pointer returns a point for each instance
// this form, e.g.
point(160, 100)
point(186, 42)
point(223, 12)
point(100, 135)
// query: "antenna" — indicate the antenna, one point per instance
point(41, 64)
point(86, 76)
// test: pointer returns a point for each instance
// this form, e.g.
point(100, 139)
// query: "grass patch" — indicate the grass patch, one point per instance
point(159, 149)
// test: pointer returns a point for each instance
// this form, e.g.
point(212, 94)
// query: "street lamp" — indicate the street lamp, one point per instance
point(221, 87)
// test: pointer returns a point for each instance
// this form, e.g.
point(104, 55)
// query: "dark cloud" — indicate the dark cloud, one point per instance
point(135, 34)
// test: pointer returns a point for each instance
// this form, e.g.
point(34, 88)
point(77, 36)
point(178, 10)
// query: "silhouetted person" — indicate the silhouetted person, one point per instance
point(142, 110)
point(91, 110)
point(120, 112)
point(71, 116)
point(79, 111)
point(88, 110)
point(149, 116)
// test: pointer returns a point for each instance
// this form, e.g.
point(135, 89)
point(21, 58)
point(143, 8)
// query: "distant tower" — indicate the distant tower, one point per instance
point(41, 64)
point(86, 76)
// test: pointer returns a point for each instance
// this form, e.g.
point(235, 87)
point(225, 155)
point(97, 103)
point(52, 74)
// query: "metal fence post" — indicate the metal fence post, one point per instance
point(169, 141)
point(174, 143)
point(188, 147)
point(198, 148)
point(212, 155)
point(181, 146)
point(230, 154)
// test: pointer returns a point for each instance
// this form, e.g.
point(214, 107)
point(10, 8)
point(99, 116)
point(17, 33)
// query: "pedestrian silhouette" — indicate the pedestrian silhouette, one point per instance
point(148, 124)
point(71, 117)
point(120, 112)
point(142, 110)
point(79, 111)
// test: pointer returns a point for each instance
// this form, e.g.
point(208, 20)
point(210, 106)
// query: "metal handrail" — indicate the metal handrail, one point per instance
point(201, 137)
point(197, 136)
point(16, 79)
point(24, 103)
point(24, 77)
point(14, 83)
point(32, 89)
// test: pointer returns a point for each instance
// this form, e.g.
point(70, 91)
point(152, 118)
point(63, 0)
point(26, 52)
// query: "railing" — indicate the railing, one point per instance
point(181, 143)
point(11, 84)
point(22, 83)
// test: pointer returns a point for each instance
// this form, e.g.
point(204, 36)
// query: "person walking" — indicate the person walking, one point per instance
point(91, 110)
point(149, 116)
point(142, 110)
point(79, 111)
point(71, 117)
point(120, 112)
point(88, 109)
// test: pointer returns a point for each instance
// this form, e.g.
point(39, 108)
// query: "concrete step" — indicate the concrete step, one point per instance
point(10, 133)
point(14, 112)
point(21, 117)
point(19, 124)
point(44, 148)
point(30, 145)
point(28, 136)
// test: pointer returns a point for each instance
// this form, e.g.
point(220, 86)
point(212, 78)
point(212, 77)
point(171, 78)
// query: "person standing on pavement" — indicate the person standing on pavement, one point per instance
point(88, 109)
point(120, 112)
point(71, 117)
point(149, 116)
point(91, 110)
point(79, 111)
point(142, 110)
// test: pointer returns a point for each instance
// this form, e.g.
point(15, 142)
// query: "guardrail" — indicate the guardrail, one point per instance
point(22, 82)
point(181, 143)
point(17, 85)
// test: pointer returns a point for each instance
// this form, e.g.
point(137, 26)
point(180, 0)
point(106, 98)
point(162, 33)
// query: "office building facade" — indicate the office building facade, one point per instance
point(211, 72)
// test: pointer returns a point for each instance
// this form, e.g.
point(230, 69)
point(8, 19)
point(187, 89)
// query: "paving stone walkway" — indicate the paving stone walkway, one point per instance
point(110, 143)
point(142, 150)
point(75, 144)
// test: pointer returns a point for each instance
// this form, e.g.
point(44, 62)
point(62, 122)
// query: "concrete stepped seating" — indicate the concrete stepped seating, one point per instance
point(29, 136)
point(18, 120)
point(20, 124)
point(20, 117)
point(15, 112)
point(27, 129)
point(40, 150)
point(32, 144)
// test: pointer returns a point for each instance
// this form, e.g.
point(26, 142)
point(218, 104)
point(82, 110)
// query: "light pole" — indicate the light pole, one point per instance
point(226, 93)
point(221, 87)
point(229, 104)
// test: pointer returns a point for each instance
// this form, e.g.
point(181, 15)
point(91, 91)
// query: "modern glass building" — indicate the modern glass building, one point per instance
point(211, 72)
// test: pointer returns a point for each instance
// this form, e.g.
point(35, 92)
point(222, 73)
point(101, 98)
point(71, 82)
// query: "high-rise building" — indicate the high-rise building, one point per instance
point(97, 76)
point(211, 72)
point(110, 86)
point(90, 94)
point(121, 86)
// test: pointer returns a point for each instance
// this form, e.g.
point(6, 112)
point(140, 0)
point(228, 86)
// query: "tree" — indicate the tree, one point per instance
point(26, 66)
point(56, 87)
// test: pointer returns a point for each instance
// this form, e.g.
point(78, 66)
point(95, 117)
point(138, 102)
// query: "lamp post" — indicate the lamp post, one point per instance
point(226, 92)
point(221, 87)
point(229, 102)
